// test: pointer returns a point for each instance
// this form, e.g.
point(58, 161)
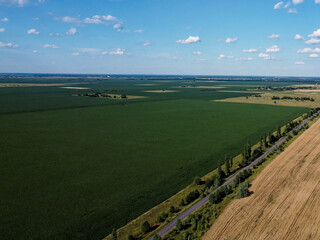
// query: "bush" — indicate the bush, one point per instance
point(145, 227)
point(156, 237)
point(172, 209)
point(192, 196)
point(197, 181)
point(243, 190)
point(114, 234)
point(130, 237)
point(179, 225)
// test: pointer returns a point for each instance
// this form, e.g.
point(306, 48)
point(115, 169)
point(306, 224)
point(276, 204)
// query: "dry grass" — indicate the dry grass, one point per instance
point(266, 98)
point(160, 91)
point(285, 203)
point(76, 88)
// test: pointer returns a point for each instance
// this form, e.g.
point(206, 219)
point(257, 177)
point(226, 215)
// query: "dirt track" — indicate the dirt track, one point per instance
point(285, 203)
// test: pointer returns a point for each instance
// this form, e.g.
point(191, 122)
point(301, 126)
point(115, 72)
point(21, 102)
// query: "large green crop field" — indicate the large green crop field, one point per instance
point(77, 167)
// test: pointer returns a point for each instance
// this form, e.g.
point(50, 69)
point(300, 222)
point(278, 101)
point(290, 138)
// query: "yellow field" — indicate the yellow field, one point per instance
point(266, 98)
point(160, 91)
point(285, 203)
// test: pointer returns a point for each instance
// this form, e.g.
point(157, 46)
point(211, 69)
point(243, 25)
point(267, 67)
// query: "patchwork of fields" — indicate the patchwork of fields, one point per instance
point(76, 167)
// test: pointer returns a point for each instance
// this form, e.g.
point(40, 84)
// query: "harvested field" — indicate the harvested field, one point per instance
point(76, 88)
point(160, 91)
point(266, 98)
point(307, 90)
point(285, 203)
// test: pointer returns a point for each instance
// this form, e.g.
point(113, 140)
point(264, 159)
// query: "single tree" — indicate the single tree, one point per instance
point(114, 234)
point(243, 190)
point(146, 227)
point(130, 237)
point(279, 132)
point(227, 167)
point(217, 183)
point(179, 225)
point(265, 143)
point(197, 181)
point(156, 237)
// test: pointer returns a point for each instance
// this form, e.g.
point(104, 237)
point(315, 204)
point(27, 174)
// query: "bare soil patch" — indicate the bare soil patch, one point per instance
point(285, 203)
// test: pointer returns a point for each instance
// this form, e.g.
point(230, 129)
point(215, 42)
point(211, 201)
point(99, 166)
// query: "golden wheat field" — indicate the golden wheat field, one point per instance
point(285, 203)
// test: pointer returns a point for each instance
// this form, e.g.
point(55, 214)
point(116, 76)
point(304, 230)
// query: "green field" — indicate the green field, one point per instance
point(76, 167)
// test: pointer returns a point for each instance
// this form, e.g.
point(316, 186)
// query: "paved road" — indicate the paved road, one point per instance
point(203, 201)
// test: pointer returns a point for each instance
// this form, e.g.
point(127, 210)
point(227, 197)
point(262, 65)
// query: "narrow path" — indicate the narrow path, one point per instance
point(166, 229)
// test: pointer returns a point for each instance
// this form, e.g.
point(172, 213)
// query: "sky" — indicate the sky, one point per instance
point(187, 37)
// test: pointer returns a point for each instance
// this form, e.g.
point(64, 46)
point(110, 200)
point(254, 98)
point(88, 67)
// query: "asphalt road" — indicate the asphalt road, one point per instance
point(203, 201)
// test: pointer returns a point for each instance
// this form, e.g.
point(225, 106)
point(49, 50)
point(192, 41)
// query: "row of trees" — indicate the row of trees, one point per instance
point(200, 222)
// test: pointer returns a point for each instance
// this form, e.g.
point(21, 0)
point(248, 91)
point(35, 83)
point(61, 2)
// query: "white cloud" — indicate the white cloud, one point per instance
point(287, 5)
point(315, 33)
point(72, 31)
point(295, 2)
point(50, 46)
point(197, 53)
point(292, 10)
point(299, 63)
point(274, 36)
point(4, 20)
point(265, 56)
point(35, 51)
point(281, 5)
point(33, 31)
point(36, 18)
point(314, 55)
point(2, 30)
point(278, 5)
point(317, 1)
point(222, 56)
point(92, 21)
point(252, 50)
point(118, 51)
point(244, 59)
point(312, 41)
point(190, 39)
point(9, 45)
point(139, 31)
point(20, 3)
point(309, 50)
point(117, 26)
point(88, 50)
point(298, 36)
point(231, 40)
point(273, 49)
point(109, 18)
point(69, 19)
point(146, 43)
point(75, 54)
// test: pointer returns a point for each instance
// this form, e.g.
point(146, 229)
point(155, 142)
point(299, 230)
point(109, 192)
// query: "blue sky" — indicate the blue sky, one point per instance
point(201, 37)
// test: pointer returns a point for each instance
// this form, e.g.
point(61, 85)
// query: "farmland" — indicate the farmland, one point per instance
point(76, 167)
point(284, 203)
